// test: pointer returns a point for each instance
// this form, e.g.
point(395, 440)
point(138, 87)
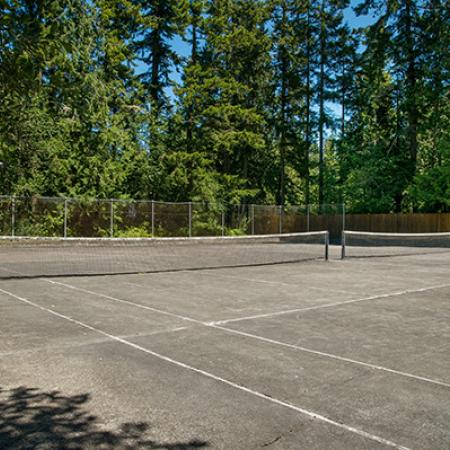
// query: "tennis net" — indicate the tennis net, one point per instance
point(23, 257)
point(367, 244)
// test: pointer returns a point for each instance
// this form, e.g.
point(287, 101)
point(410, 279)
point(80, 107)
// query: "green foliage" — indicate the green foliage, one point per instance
point(277, 101)
point(133, 232)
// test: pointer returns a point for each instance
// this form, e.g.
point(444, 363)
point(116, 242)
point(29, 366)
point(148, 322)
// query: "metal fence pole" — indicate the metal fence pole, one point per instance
point(307, 218)
point(190, 219)
point(252, 219)
point(13, 216)
point(65, 217)
point(153, 218)
point(343, 216)
point(223, 223)
point(111, 218)
point(280, 224)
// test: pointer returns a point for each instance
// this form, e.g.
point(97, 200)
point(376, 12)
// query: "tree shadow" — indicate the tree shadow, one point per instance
point(33, 419)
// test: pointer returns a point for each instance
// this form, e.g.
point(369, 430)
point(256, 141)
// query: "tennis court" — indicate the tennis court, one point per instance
point(266, 346)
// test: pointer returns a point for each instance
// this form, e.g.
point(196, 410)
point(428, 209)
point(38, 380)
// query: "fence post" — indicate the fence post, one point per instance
point(13, 216)
point(65, 217)
point(190, 219)
point(223, 223)
point(153, 218)
point(252, 219)
point(343, 216)
point(111, 218)
point(280, 221)
point(307, 218)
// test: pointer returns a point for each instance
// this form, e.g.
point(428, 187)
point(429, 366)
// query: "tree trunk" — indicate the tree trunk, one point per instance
point(308, 107)
point(322, 102)
point(283, 105)
point(411, 81)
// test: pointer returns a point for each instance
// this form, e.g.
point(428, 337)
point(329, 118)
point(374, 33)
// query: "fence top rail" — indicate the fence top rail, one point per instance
point(130, 200)
point(256, 237)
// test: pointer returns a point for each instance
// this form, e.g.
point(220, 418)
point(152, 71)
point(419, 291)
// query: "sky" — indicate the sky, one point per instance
point(353, 21)
point(182, 48)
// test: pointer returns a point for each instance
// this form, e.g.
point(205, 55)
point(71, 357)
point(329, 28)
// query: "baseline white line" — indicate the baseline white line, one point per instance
point(329, 305)
point(210, 375)
point(330, 355)
point(257, 337)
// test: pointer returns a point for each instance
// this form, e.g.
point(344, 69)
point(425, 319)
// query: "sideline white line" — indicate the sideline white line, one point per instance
point(210, 375)
point(257, 337)
point(329, 305)
point(330, 355)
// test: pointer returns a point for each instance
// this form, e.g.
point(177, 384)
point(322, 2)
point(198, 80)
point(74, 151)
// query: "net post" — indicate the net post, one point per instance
point(307, 218)
point(65, 217)
point(280, 219)
point(13, 216)
point(111, 218)
point(252, 218)
point(153, 218)
point(327, 245)
point(343, 245)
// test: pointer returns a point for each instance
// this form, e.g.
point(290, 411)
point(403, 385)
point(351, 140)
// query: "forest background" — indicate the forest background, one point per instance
point(228, 101)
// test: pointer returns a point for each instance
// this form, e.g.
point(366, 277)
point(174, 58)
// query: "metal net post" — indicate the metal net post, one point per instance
point(343, 245)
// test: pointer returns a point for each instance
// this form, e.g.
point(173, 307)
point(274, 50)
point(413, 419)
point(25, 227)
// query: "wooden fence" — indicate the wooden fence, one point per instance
point(399, 223)
point(335, 223)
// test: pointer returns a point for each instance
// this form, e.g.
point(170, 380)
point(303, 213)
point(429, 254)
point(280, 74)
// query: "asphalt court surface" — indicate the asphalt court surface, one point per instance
point(315, 355)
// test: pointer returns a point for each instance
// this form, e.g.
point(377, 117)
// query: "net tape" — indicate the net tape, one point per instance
point(366, 244)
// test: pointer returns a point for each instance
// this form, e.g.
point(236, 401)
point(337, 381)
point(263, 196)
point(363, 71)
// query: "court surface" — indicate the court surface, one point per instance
point(350, 354)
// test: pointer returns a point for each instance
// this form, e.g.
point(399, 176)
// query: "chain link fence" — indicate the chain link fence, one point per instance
point(69, 217)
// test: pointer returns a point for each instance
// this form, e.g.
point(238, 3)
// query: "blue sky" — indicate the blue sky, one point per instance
point(354, 21)
point(182, 48)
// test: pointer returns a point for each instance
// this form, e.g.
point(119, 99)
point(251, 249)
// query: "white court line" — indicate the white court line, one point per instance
point(276, 283)
point(70, 345)
point(329, 305)
point(330, 355)
point(210, 375)
point(126, 302)
point(230, 330)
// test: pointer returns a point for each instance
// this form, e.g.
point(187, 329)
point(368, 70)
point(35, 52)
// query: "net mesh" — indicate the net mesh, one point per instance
point(366, 244)
point(35, 257)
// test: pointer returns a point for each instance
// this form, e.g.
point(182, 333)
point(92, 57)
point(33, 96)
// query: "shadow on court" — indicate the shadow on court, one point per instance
point(32, 418)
